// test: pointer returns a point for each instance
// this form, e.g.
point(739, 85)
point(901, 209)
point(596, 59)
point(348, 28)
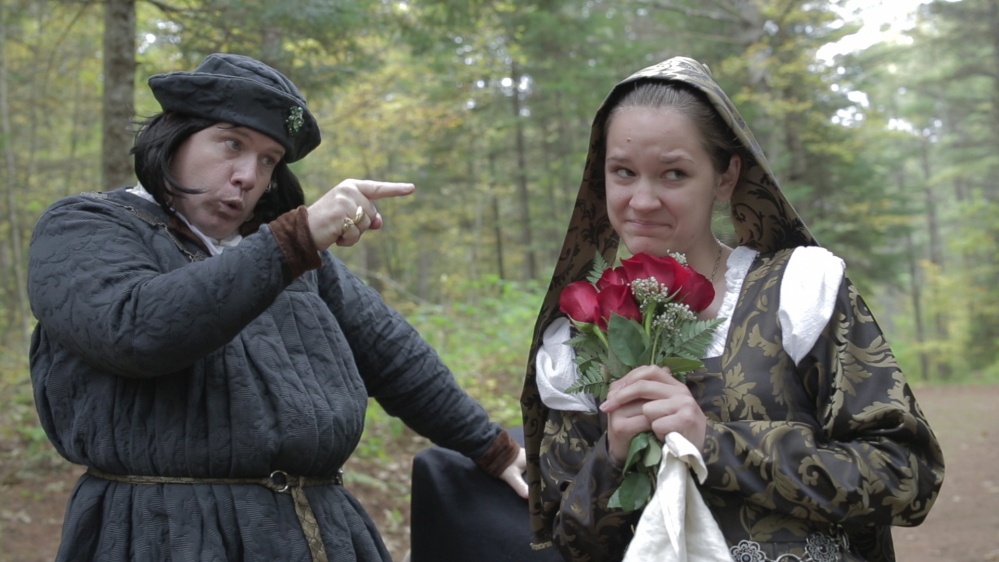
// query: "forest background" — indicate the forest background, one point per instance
point(890, 154)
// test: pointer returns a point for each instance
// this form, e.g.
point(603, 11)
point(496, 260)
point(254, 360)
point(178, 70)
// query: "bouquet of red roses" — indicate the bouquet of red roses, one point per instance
point(641, 313)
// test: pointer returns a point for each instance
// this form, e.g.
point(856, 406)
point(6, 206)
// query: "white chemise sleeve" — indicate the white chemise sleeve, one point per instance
point(807, 297)
point(556, 370)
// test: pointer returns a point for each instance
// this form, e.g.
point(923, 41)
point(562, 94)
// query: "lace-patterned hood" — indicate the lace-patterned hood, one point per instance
point(762, 216)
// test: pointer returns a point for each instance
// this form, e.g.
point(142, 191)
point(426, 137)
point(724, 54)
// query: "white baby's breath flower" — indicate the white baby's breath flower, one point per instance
point(671, 318)
point(650, 292)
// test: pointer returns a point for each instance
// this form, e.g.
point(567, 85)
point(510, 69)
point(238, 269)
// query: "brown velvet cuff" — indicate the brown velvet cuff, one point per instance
point(501, 453)
point(291, 230)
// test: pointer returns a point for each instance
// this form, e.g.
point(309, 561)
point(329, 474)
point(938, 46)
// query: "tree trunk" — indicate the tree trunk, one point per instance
point(119, 92)
point(11, 184)
point(475, 226)
point(936, 250)
point(550, 230)
point(994, 27)
point(917, 308)
point(271, 46)
point(530, 268)
point(915, 292)
point(497, 221)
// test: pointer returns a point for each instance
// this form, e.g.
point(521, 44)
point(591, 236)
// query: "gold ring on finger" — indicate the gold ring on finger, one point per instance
point(347, 223)
point(359, 214)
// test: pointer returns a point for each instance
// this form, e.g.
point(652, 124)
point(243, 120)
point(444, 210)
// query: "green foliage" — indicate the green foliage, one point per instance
point(314, 42)
point(484, 338)
point(592, 379)
point(484, 341)
point(937, 105)
point(22, 440)
point(381, 432)
point(644, 454)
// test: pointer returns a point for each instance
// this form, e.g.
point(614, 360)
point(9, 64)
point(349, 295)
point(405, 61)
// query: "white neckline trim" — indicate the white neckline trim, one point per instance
point(738, 264)
point(214, 246)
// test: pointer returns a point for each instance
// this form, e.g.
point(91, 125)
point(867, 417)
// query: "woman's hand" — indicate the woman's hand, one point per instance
point(514, 474)
point(343, 213)
point(649, 398)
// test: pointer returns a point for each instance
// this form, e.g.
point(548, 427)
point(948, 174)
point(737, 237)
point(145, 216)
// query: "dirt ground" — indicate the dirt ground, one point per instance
point(962, 527)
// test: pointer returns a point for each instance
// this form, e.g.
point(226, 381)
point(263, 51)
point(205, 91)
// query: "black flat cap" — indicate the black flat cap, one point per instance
point(243, 91)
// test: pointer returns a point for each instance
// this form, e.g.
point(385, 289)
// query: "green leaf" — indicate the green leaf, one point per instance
point(615, 368)
point(693, 339)
point(638, 444)
point(640, 477)
point(680, 365)
point(653, 454)
point(627, 340)
point(599, 265)
point(591, 381)
point(633, 493)
point(588, 352)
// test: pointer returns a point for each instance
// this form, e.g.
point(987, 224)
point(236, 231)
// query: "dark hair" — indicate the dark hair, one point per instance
point(719, 139)
point(158, 139)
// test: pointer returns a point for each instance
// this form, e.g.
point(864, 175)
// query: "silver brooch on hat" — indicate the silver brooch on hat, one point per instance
point(296, 120)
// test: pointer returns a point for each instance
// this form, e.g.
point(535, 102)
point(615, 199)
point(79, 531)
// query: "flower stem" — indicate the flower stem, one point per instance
point(602, 336)
point(650, 315)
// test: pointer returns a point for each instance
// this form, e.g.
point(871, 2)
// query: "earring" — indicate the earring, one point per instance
point(271, 186)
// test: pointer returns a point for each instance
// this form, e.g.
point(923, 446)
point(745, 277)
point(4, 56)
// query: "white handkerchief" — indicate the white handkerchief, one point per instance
point(677, 525)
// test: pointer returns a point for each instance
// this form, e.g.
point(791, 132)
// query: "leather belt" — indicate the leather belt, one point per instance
point(279, 481)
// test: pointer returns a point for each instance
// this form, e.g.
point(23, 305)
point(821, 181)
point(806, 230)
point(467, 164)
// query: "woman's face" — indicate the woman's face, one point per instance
point(661, 184)
point(232, 166)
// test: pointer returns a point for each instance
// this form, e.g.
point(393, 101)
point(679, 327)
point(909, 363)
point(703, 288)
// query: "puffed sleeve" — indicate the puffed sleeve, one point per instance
point(405, 374)
point(98, 285)
point(579, 477)
point(868, 458)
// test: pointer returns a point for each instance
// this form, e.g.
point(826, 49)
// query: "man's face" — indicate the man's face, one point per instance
point(232, 167)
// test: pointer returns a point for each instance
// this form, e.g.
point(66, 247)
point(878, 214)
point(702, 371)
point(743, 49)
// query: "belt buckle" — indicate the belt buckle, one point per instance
point(282, 486)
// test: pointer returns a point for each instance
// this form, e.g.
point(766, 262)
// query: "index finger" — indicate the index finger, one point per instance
point(373, 189)
point(644, 372)
point(642, 390)
point(636, 385)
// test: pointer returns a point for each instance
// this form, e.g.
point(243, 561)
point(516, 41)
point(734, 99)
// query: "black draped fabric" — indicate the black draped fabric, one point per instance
point(459, 514)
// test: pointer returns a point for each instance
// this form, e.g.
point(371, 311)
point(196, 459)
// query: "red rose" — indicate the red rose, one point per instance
point(613, 276)
point(695, 291)
point(644, 266)
point(682, 275)
point(579, 302)
point(617, 299)
point(691, 288)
